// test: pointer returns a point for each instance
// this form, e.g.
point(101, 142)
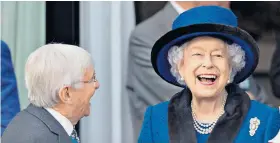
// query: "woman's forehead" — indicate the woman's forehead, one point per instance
point(207, 43)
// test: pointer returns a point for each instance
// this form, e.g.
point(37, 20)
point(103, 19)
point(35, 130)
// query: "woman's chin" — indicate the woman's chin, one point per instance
point(205, 96)
point(205, 93)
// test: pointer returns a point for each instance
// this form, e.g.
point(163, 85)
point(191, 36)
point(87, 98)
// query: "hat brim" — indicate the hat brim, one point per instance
point(179, 36)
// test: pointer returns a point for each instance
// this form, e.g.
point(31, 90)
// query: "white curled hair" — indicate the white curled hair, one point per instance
point(52, 67)
point(236, 57)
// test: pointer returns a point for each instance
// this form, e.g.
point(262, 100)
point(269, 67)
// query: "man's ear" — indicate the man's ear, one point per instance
point(64, 95)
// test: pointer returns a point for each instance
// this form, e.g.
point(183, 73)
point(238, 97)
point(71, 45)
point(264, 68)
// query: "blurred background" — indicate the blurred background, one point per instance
point(103, 29)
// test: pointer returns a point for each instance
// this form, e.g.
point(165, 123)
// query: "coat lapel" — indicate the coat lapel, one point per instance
point(50, 122)
point(236, 109)
point(180, 121)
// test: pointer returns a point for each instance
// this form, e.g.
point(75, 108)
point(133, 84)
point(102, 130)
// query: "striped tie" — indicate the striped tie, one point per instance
point(74, 136)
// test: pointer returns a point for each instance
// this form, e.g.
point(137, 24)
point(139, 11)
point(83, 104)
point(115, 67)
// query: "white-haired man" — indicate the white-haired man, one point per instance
point(60, 80)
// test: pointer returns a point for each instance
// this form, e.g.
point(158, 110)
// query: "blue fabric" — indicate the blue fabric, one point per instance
point(73, 140)
point(155, 125)
point(9, 94)
point(201, 138)
point(206, 15)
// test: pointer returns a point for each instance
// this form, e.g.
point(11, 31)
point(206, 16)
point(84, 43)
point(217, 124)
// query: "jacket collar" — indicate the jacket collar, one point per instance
point(54, 126)
point(180, 121)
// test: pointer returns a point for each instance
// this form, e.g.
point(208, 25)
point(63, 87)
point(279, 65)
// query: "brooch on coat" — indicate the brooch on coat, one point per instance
point(254, 124)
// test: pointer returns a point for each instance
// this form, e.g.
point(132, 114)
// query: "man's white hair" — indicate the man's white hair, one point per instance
point(235, 52)
point(50, 68)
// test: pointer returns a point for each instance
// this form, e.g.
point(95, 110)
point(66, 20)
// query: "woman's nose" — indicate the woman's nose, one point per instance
point(207, 62)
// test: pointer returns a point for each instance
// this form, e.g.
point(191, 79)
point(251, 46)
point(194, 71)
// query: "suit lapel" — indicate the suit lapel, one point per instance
point(180, 121)
point(50, 122)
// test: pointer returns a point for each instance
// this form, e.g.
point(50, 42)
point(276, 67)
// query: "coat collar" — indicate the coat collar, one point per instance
point(54, 126)
point(180, 121)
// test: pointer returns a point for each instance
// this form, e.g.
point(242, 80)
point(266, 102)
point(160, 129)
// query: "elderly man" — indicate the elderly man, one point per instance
point(61, 81)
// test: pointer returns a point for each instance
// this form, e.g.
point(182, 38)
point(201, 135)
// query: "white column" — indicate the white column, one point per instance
point(104, 31)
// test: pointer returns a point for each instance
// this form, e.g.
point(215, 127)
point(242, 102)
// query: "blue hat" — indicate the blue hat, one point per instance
point(204, 21)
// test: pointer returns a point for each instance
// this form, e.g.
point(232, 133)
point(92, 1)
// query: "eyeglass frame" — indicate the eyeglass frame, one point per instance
point(92, 80)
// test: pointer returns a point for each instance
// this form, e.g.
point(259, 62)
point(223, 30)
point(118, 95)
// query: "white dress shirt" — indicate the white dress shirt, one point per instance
point(177, 7)
point(64, 122)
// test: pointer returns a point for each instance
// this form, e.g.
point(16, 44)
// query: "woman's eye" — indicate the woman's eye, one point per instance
point(220, 56)
point(196, 54)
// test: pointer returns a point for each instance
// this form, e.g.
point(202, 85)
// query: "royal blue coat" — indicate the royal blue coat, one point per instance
point(172, 122)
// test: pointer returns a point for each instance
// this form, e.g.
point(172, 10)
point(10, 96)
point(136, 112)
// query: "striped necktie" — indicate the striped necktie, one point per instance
point(74, 137)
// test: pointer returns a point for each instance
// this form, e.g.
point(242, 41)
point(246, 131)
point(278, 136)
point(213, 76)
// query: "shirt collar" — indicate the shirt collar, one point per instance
point(65, 123)
point(177, 7)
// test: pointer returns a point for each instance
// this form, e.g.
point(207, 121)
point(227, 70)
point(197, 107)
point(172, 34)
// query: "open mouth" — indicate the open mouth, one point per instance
point(207, 79)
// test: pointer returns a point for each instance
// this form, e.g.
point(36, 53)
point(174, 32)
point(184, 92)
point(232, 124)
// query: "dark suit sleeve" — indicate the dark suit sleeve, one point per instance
point(9, 94)
point(273, 125)
point(146, 132)
point(275, 69)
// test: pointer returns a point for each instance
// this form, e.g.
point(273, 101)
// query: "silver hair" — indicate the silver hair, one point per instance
point(52, 67)
point(236, 57)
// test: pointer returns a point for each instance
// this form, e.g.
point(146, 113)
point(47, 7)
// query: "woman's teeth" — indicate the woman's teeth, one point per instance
point(211, 78)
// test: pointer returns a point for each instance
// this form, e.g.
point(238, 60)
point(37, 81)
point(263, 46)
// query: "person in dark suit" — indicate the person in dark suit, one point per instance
point(60, 80)
point(144, 87)
point(9, 94)
point(275, 69)
point(207, 54)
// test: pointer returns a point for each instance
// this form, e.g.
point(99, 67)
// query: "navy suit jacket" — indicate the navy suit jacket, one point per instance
point(9, 93)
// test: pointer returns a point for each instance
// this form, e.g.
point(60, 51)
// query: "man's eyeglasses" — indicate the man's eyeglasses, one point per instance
point(92, 80)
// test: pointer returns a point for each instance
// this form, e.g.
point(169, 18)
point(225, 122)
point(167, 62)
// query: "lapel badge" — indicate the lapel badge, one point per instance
point(254, 124)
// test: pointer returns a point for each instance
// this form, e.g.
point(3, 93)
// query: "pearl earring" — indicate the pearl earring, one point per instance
point(228, 81)
point(182, 79)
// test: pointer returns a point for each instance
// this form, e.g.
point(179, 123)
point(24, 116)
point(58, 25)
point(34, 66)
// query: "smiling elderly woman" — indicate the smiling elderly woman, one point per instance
point(208, 55)
point(60, 80)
